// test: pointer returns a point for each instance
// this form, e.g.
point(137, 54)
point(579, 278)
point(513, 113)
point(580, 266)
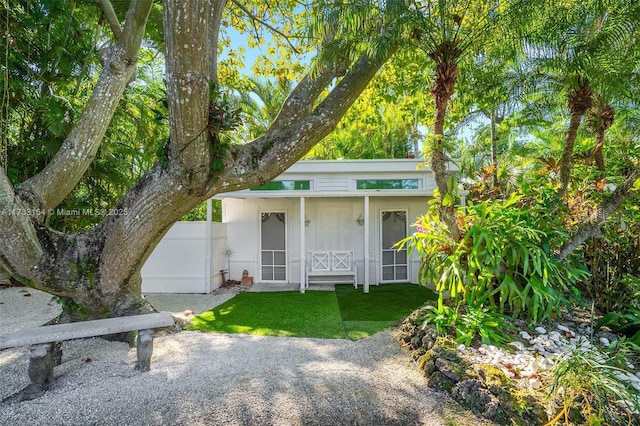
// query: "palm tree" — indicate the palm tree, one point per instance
point(261, 104)
point(587, 49)
point(599, 118)
point(578, 102)
point(450, 32)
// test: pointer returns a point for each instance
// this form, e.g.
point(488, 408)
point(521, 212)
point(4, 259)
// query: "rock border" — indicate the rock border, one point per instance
point(505, 386)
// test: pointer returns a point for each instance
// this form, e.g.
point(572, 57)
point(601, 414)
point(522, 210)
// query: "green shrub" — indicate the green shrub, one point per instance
point(622, 322)
point(467, 322)
point(504, 259)
point(592, 387)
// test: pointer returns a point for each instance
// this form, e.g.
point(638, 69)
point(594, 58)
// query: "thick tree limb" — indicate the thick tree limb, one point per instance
point(112, 19)
point(48, 188)
point(217, 8)
point(186, 25)
point(283, 144)
point(20, 249)
point(300, 101)
point(134, 26)
point(606, 209)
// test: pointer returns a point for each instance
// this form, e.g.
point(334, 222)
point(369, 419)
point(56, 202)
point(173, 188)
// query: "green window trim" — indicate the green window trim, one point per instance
point(284, 185)
point(387, 184)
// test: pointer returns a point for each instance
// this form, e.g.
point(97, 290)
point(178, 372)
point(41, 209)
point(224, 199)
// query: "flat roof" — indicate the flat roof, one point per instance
point(349, 178)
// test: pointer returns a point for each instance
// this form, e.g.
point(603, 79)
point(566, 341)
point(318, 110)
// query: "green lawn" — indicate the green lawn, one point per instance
point(345, 313)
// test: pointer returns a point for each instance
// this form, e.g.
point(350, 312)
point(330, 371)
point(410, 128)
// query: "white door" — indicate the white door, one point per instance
point(393, 225)
point(273, 251)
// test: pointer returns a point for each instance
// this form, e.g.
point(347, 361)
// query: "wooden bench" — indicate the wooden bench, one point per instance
point(42, 341)
point(331, 267)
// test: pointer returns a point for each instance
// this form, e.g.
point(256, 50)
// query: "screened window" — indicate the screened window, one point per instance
point(387, 184)
point(284, 185)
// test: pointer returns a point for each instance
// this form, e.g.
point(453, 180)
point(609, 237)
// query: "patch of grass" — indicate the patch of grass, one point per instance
point(388, 302)
point(345, 313)
point(366, 314)
point(280, 313)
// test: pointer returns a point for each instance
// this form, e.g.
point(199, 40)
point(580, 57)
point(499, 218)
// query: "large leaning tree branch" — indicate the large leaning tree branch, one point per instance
point(100, 270)
point(165, 193)
point(112, 19)
point(292, 137)
point(31, 252)
point(610, 206)
point(48, 188)
point(300, 101)
point(19, 245)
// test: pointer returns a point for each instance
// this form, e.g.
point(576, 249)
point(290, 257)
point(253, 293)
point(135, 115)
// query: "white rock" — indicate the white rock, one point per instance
point(554, 350)
point(605, 342)
point(563, 328)
point(548, 355)
point(491, 348)
point(583, 343)
point(535, 383)
point(554, 335)
point(630, 366)
point(541, 330)
point(529, 370)
point(523, 359)
point(544, 364)
point(632, 378)
point(525, 335)
point(461, 348)
point(545, 341)
point(519, 346)
point(621, 376)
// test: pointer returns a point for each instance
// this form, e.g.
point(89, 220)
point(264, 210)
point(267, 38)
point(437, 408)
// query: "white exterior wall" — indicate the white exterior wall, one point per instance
point(178, 263)
point(242, 217)
point(332, 203)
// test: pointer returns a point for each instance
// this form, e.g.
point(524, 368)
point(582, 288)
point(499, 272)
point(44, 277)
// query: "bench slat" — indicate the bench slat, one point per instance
point(327, 273)
point(79, 330)
point(331, 267)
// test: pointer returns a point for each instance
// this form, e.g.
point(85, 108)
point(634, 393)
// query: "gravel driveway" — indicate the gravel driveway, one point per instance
point(214, 379)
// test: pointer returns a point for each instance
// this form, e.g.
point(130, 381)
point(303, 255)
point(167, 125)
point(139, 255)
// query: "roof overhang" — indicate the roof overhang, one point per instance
point(338, 178)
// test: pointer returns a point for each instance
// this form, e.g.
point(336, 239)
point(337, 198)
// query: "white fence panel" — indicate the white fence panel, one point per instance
point(178, 263)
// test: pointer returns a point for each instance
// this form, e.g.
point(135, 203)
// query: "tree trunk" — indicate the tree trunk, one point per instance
point(599, 119)
point(607, 208)
point(494, 147)
point(98, 271)
point(442, 90)
point(579, 101)
point(567, 153)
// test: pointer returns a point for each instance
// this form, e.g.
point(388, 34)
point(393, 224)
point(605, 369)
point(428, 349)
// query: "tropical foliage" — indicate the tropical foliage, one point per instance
point(543, 94)
point(504, 259)
point(592, 387)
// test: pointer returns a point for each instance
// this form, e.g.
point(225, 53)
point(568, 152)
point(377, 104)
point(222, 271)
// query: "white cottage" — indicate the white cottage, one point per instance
point(329, 221)
point(320, 221)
